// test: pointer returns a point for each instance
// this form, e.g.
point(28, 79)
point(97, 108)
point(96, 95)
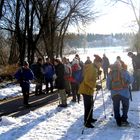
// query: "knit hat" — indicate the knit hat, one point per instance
point(97, 58)
point(130, 53)
point(115, 66)
point(76, 56)
point(75, 61)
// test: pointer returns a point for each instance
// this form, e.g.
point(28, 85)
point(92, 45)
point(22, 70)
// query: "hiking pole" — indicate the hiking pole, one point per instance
point(90, 112)
point(103, 98)
point(130, 93)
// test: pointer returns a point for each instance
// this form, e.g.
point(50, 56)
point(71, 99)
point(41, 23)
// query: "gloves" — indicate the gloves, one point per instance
point(54, 77)
point(98, 87)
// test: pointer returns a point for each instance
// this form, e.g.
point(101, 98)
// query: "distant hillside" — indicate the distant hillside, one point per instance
point(98, 40)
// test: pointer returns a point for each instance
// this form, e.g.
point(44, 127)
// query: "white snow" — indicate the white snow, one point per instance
point(53, 123)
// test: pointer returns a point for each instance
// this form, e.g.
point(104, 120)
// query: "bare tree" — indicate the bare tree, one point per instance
point(20, 20)
point(135, 6)
point(29, 21)
point(57, 16)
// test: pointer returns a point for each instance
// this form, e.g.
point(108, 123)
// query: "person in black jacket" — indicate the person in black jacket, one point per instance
point(24, 75)
point(39, 77)
point(136, 68)
point(105, 65)
point(60, 82)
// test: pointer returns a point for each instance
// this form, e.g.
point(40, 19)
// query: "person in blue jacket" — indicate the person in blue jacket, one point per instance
point(24, 75)
point(120, 92)
point(49, 71)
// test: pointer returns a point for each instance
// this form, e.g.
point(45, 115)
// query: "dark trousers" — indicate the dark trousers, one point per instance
point(74, 89)
point(136, 83)
point(49, 81)
point(88, 108)
point(117, 100)
point(38, 88)
point(25, 91)
point(105, 70)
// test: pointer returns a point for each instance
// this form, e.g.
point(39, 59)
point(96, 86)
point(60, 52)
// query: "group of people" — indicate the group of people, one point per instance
point(77, 78)
point(60, 74)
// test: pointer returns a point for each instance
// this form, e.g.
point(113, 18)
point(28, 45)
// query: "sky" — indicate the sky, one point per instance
point(53, 123)
point(114, 19)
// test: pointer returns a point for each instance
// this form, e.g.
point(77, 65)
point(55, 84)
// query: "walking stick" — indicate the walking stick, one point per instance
point(90, 112)
point(103, 98)
point(130, 93)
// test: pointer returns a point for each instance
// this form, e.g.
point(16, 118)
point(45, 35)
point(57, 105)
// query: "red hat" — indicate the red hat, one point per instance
point(97, 58)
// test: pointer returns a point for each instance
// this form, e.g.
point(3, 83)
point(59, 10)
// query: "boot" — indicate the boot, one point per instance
point(118, 121)
point(89, 126)
point(124, 122)
point(93, 120)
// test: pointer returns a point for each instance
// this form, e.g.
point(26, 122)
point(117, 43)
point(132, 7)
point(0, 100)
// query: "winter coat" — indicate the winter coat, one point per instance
point(105, 63)
point(68, 71)
point(48, 70)
point(89, 82)
point(125, 91)
point(37, 70)
point(24, 76)
point(59, 82)
point(136, 61)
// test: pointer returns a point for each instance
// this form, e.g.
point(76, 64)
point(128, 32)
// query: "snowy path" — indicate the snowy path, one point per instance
point(52, 123)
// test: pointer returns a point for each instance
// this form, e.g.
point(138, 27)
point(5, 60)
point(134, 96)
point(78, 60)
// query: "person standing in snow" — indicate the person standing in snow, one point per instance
point(24, 75)
point(105, 65)
point(136, 69)
point(87, 87)
point(67, 75)
point(119, 60)
point(88, 61)
point(39, 76)
point(118, 82)
point(60, 82)
point(76, 70)
point(49, 71)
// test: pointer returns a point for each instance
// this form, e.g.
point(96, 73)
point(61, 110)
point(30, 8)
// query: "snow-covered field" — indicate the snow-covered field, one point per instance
point(53, 123)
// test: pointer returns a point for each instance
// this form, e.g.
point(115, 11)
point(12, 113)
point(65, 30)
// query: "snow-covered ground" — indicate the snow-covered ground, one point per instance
point(53, 123)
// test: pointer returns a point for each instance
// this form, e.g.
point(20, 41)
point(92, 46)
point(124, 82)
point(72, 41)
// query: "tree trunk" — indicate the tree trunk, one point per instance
point(14, 52)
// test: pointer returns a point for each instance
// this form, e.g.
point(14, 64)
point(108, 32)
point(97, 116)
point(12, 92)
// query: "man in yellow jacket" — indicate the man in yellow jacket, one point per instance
point(87, 88)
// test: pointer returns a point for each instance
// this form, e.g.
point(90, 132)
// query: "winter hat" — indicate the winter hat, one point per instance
point(118, 63)
point(115, 66)
point(75, 61)
point(130, 53)
point(57, 60)
point(76, 56)
point(97, 58)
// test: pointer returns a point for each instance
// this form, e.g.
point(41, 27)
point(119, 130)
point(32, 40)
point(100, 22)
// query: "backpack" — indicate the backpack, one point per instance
point(117, 80)
point(78, 76)
point(67, 70)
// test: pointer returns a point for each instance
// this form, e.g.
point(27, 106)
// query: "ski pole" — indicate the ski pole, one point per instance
point(130, 93)
point(103, 98)
point(90, 111)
